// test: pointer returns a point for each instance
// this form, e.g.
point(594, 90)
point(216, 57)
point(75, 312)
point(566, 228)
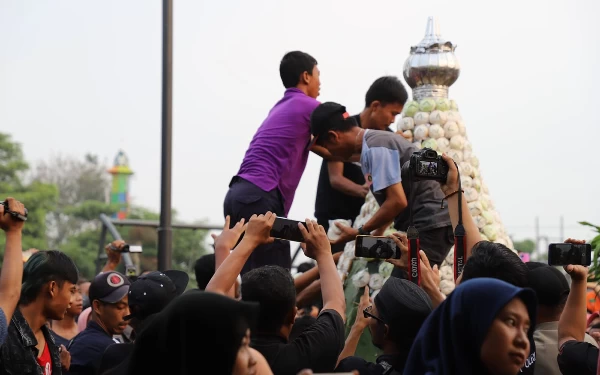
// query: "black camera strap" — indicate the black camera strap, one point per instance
point(414, 261)
point(460, 243)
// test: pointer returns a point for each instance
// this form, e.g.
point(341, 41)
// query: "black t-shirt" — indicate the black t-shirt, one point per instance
point(578, 358)
point(317, 347)
point(385, 365)
point(332, 204)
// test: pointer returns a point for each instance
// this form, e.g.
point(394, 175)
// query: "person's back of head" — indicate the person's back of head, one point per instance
point(403, 306)
point(552, 289)
point(298, 69)
point(273, 288)
point(496, 261)
point(204, 268)
point(51, 274)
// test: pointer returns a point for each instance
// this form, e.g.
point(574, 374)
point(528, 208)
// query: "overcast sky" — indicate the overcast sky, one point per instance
point(85, 76)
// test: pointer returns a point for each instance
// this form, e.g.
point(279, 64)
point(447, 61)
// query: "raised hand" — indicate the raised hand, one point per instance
point(8, 222)
point(402, 243)
point(229, 237)
point(315, 238)
point(258, 230)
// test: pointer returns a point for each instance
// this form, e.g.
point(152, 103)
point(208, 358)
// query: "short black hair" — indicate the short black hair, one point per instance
point(496, 261)
point(204, 268)
point(45, 266)
point(292, 65)
point(273, 288)
point(387, 90)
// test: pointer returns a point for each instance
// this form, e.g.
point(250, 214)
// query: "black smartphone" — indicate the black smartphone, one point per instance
point(286, 229)
point(376, 247)
point(562, 254)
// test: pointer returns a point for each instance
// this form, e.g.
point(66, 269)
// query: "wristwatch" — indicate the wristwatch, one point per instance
point(362, 232)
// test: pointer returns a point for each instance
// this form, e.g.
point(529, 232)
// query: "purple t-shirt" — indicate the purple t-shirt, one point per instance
point(277, 154)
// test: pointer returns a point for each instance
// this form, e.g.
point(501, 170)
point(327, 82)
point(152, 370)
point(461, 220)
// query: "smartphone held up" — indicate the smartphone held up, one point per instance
point(563, 254)
point(286, 229)
point(376, 247)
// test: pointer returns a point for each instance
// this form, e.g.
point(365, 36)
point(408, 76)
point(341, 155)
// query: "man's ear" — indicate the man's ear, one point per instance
point(305, 78)
point(333, 136)
point(375, 105)
point(386, 331)
point(52, 288)
point(291, 318)
point(96, 306)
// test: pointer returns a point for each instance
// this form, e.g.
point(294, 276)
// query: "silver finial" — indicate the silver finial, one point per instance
point(432, 66)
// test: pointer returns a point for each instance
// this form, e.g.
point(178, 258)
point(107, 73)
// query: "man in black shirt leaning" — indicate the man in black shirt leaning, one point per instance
point(319, 345)
point(342, 187)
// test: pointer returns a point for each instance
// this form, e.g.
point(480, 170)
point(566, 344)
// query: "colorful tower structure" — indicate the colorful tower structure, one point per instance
point(430, 120)
point(119, 194)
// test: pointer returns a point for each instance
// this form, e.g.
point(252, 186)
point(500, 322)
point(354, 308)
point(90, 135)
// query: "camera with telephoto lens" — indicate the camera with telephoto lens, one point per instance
point(426, 164)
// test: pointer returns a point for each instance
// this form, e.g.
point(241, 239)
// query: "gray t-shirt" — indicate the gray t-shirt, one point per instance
point(382, 157)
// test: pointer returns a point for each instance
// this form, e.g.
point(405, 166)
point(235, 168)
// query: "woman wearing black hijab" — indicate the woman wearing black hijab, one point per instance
point(481, 328)
point(198, 333)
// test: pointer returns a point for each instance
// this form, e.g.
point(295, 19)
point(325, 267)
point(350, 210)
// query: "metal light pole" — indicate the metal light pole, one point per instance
point(165, 238)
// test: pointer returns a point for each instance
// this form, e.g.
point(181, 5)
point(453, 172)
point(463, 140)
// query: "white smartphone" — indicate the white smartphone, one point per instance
point(135, 249)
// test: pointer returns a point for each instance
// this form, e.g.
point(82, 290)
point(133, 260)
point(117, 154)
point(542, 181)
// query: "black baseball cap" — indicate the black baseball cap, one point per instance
point(150, 293)
point(327, 116)
point(550, 285)
point(109, 287)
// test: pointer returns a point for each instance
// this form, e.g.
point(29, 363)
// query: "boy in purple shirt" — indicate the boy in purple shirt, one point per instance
point(274, 162)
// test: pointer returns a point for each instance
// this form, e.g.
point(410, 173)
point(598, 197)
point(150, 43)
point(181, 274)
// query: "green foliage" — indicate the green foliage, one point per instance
point(83, 186)
point(525, 246)
point(12, 164)
point(65, 197)
point(594, 273)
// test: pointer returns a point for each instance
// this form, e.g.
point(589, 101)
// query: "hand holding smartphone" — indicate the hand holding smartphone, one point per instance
point(563, 254)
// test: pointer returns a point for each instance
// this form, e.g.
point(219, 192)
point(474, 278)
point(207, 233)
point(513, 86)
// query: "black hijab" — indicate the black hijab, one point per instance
point(196, 332)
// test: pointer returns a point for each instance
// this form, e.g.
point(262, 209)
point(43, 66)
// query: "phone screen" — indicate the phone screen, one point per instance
point(562, 254)
point(376, 247)
point(286, 229)
point(135, 249)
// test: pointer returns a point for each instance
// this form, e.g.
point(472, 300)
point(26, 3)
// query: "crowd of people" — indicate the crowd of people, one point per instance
point(249, 315)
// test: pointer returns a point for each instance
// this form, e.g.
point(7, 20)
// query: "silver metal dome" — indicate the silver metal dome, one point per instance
point(432, 66)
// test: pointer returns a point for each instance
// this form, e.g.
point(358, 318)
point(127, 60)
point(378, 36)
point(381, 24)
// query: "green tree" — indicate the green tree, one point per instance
point(39, 198)
point(525, 246)
point(83, 187)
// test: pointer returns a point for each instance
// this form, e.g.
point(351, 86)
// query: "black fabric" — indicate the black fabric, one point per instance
point(578, 358)
point(331, 204)
point(245, 199)
point(18, 354)
point(87, 348)
point(317, 348)
point(549, 284)
point(116, 357)
point(384, 365)
point(300, 325)
point(196, 329)
point(150, 293)
point(59, 340)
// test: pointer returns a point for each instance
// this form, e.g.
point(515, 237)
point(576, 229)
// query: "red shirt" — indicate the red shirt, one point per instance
point(45, 361)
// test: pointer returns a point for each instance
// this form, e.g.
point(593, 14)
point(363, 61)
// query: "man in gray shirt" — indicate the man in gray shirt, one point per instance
point(382, 156)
